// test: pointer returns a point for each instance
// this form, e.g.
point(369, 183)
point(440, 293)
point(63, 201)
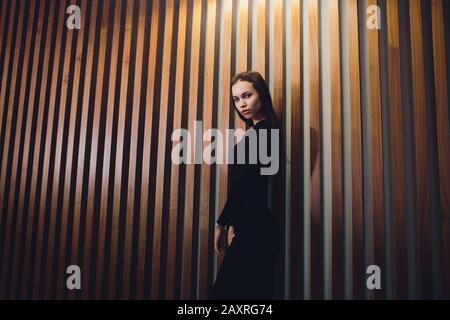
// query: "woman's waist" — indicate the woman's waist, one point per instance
point(257, 216)
point(263, 229)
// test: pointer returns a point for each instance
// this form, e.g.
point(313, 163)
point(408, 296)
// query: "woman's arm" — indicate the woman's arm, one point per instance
point(218, 247)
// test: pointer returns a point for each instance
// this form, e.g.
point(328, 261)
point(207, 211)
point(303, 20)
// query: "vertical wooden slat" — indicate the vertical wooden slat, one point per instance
point(4, 27)
point(175, 169)
point(75, 245)
point(42, 210)
point(133, 150)
point(356, 149)
point(142, 245)
point(19, 106)
point(7, 99)
point(6, 69)
point(396, 140)
point(94, 150)
point(100, 263)
point(157, 235)
point(326, 165)
point(420, 137)
point(306, 157)
point(288, 143)
point(366, 140)
point(346, 149)
point(242, 41)
point(295, 253)
point(57, 166)
point(241, 49)
point(224, 100)
point(113, 260)
point(190, 168)
point(3, 22)
point(168, 220)
point(376, 151)
point(432, 154)
point(316, 220)
point(259, 37)
point(336, 136)
point(443, 132)
point(206, 168)
point(32, 109)
point(277, 84)
point(33, 197)
point(7, 23)
point(409, 159)
point(61, 268)
point(385, 120)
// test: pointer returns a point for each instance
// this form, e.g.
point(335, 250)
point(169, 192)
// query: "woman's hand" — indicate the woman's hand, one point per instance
point(218, 232)
point(231, 234)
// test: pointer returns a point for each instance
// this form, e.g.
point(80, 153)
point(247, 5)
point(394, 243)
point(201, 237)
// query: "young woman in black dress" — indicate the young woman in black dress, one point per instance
point(248, 268)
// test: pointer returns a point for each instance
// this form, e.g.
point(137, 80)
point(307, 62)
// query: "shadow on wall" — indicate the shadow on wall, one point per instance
point(315, 222)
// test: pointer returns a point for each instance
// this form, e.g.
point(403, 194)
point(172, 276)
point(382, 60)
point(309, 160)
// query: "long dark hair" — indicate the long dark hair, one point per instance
point(260, 85)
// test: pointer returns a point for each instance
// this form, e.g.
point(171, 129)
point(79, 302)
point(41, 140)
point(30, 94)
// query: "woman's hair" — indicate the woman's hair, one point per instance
point(260, 86)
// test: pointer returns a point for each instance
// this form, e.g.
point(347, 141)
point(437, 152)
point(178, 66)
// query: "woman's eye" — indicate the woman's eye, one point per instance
point(248, 95)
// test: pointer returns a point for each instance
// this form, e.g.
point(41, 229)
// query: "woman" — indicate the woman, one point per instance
point(248, 267)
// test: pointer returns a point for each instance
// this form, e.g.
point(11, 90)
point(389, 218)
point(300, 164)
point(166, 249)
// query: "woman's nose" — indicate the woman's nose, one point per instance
point(242, 105)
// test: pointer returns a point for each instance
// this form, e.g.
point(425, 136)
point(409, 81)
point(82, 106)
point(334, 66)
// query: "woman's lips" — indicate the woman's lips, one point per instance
point(245, 111)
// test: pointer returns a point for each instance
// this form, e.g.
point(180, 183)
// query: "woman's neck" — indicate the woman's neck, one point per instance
point(255, 121)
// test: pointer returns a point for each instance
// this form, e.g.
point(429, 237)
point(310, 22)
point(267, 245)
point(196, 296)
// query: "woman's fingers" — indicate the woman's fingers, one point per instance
point(230, 234)
point(217, 240)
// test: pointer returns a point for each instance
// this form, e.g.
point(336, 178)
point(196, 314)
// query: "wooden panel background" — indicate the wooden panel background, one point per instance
point(86, 118)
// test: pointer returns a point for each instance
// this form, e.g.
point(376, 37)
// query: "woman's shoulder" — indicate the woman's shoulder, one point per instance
point(263, 124)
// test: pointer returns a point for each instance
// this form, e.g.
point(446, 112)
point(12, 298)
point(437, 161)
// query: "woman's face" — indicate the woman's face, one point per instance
point(246, 99)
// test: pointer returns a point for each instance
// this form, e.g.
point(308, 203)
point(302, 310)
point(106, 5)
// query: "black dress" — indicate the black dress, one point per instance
point(248, 268)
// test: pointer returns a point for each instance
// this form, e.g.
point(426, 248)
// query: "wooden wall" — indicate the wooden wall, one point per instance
point(86, 118)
